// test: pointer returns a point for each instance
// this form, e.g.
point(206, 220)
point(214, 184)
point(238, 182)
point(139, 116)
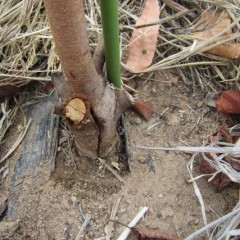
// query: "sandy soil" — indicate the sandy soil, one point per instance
point(51, 208)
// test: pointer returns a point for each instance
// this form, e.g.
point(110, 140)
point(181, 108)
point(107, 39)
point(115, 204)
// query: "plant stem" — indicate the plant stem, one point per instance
point(109, 12)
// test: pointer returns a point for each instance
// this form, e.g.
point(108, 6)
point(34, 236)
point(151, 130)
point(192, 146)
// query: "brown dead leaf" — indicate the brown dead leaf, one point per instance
point(153, 234)
point(220, 182)
point(174, 80)
point(234, 162)
point(215, 24)
point(143, 108)
point(229, 102)
point(48, 87)
point(29, 237)
point(226, 134)
point(9, 90)
point(205, 166)
point(144, 40)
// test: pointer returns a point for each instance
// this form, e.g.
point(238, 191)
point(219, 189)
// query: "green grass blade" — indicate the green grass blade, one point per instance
point(109, 13)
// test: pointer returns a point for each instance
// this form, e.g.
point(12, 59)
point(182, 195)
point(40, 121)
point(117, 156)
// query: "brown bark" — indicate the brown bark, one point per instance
point(95, 136)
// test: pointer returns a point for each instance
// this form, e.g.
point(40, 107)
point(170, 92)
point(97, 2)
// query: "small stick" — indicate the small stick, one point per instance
point(132, 224)
point(67, 231)
point(81, 211)
point(111, 170)
point(112, 217)
point(81, 231)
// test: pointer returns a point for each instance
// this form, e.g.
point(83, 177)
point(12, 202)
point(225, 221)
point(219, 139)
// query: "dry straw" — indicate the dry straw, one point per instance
point(27, 52)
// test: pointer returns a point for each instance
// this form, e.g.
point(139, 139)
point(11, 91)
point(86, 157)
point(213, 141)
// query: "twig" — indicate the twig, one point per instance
point(81, 231)
point(81, 211)
point(112, 217)
point(67, 228)
point(158, 22)
point(132, 224)
point(229, 150)
point(111, 170)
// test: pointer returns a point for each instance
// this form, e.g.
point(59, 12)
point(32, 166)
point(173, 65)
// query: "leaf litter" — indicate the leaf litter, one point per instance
point(215, 23)
point(144, 40)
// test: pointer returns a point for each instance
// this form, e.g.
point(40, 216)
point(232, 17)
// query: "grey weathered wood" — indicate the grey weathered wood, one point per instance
point(39, 148)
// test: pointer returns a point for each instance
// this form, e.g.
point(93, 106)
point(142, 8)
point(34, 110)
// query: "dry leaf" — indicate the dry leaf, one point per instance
point(48, 87)
point(174, 80)
point(143, 108)
point(144, 40)
point(29, 237)
point(234, 162)
point(229, 102)
point(154, 234)
point(215, 24)
point(9, 90)
point(221, 180)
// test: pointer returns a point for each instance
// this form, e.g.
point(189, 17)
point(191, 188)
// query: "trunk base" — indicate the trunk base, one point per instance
point(96, 134)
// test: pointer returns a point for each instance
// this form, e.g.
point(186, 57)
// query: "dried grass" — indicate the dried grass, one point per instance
point(177, 50)
point(25, 43)
point(27, 52)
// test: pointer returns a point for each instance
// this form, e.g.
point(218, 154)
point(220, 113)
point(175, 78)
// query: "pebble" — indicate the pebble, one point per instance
point(160, 195)
point(154, 90)
point(137, 121)
point(64, 203)
point(167, 212)
point(207, 209)
point(200, 104)
point(73, 199)
point(174, 120)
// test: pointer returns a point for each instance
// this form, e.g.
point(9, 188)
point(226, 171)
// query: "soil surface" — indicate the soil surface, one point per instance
point(54, 207)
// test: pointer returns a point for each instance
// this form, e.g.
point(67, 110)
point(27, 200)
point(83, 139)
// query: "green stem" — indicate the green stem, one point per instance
point(109, 12)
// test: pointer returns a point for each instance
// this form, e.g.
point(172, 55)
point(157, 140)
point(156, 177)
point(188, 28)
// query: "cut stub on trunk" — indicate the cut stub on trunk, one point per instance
point(94, 125)
point(75, 110)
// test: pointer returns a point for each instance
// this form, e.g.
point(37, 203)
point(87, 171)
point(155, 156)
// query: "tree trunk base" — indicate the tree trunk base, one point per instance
point(96, 133)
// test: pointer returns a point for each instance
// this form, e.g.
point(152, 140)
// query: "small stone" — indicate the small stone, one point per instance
point(174, 120)
point(207, 209)
point(154, 90)
point(73, 199)
point(160, 195)
point(137, 121)
point(196, 221)
point(167, 212)
point(200, 104)
point(65, 203)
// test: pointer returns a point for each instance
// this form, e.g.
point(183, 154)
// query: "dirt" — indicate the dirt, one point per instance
point(50, 208)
